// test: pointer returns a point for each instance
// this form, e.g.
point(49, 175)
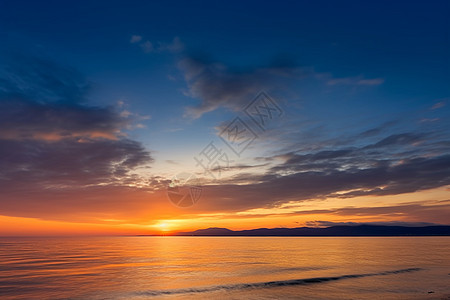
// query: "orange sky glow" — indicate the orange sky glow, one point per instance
point(411, 207)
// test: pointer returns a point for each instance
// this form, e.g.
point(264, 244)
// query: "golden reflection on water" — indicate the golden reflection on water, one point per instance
point(116, 266)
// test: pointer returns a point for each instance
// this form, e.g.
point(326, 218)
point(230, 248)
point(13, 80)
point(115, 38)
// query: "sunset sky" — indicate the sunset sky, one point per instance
point(103, 103)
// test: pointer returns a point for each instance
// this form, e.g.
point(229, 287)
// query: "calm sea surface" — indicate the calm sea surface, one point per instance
point(225, 268)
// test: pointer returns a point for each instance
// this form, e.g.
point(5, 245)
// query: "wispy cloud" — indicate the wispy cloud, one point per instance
point(147, 47)
point(175, 46)
point(135, 39)
point(356, 81)
point(438, 105)
point(391, 223)
point(428, 120)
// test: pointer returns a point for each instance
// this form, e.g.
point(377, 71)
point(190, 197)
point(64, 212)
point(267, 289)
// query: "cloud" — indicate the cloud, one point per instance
point(42, 81)
point(374, 81)
point(394, 165)
point(430, 211)
point(22, 118)
point(54, 146)
point(147, 47)
point(69, 162)
point(398, 139)
point(175, 46)
point(135, 39)
point(438, 105)
point(218, 85)
point(428, 120)
point(238, 167)
point(422, 213)
point(41, 100)
point(356, 81)
point(376, 161)
point(391, 223)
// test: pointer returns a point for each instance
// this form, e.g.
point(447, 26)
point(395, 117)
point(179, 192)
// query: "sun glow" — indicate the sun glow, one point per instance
point(163, 226)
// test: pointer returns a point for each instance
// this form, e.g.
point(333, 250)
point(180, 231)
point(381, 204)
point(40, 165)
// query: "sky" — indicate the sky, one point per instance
point(144, 117)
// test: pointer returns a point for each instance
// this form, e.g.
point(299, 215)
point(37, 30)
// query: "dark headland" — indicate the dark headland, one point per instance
point(342, 230)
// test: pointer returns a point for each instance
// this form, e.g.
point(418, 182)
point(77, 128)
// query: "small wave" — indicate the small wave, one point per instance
point(269, 284)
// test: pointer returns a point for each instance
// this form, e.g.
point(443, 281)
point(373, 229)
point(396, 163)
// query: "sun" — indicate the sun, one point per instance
point(163, 226)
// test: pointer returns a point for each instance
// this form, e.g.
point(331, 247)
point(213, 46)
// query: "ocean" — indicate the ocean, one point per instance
point(225, 268)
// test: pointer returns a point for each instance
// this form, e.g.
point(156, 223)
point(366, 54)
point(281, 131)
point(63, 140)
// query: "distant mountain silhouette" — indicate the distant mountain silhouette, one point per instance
point(343, 230)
